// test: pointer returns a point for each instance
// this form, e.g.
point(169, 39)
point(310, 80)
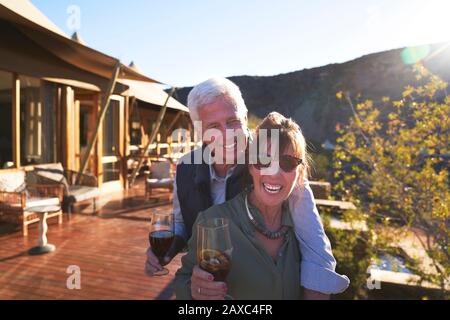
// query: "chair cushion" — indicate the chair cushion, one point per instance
point(160, 183)
point(81, 193)
point(38, 202)
point(160, 170)
point(53, 171)
point(13, 181)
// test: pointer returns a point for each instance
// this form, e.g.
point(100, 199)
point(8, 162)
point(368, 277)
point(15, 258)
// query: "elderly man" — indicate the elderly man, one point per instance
point(217, 104)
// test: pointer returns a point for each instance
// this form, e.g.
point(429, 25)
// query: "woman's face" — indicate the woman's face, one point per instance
point(273, 185)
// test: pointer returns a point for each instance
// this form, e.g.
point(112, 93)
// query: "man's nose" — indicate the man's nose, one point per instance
point(228, 135)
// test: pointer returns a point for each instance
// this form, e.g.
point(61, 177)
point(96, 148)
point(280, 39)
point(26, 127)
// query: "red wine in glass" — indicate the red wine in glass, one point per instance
point(161, 236)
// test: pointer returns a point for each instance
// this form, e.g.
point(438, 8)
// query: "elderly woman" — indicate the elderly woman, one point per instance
point(265, 261)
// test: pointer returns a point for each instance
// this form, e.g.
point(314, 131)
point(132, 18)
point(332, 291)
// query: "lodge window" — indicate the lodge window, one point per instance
point(84, 126)
point(111, 167)
point(6, 139)
point(110, 130)
point(135, 133)
point(37, 121)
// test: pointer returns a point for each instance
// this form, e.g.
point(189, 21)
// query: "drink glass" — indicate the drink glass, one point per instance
point(214, 248)
point(161, 236)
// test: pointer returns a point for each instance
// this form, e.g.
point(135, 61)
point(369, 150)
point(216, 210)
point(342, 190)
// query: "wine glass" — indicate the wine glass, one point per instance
point(214, 248)
point(161, 236)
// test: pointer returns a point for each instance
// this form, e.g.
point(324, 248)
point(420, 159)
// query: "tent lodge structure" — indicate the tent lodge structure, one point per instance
point(64, 102)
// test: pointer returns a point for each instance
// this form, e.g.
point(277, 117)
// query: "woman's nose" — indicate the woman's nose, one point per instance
point(273, 169)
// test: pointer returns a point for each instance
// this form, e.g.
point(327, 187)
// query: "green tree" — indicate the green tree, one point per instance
point(394, 166)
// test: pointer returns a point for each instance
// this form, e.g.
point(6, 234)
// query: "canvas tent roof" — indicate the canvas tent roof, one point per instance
point(31, 44)
point(28, 20)
point(151, 93)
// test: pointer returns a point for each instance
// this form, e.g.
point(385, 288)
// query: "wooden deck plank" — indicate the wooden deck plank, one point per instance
point(108, 248)
point(342, 205)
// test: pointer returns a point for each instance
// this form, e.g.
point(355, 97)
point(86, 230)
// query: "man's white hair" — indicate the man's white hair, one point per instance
point(211, 89)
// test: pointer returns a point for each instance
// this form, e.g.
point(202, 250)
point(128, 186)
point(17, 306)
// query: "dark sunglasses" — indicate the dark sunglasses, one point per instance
point(287, 163)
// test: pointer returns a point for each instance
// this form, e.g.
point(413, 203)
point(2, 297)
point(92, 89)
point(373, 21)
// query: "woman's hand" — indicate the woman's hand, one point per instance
point(203, 286)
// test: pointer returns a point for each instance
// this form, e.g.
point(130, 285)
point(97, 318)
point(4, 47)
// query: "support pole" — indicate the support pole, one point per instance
point(159, 120)
point(173, 122)
point(16, 120)
point(100, 118)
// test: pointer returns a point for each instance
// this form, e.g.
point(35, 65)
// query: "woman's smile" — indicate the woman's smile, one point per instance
point(272, 188)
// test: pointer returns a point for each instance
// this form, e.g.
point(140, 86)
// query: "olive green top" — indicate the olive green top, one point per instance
point(254, 274)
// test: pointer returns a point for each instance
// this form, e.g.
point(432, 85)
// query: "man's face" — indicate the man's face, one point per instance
point(223, 125)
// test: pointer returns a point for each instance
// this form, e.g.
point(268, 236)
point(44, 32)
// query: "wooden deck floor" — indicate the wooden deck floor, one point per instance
point(109, 248)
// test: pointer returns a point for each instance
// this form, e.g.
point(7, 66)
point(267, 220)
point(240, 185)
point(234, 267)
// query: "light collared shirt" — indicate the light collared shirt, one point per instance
point(318, 263)
point(218, 186)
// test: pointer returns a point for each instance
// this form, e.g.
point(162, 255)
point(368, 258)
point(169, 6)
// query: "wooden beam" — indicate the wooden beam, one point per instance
point(122, 143)
point(58, 111)
point(98, 146)
point(126, 140)
point(16, 120)
point(69, 147)
point(342, 205)
point(159, 120)
point(76, 135)
point(100, 118)
point(144, 135)
point(173, 122)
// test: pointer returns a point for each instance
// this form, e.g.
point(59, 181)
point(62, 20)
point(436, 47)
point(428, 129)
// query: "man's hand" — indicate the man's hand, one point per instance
point(203, 286)
point(152, 264)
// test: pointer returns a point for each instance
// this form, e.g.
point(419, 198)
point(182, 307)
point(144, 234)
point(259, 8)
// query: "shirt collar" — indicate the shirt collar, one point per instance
point(213, 174)
point(286, 219)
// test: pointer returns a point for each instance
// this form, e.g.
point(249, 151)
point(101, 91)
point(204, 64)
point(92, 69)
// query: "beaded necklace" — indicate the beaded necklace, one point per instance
point(266, 232)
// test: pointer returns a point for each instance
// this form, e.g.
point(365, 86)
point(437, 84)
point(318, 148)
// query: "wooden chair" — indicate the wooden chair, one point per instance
point(18, 197)
point(160, 176)
point(86, 188)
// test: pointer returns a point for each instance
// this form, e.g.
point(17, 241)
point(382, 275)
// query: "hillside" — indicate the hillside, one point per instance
point(309, 95)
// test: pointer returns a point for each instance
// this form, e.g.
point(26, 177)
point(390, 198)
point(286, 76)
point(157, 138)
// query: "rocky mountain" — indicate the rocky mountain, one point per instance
point(309, 95)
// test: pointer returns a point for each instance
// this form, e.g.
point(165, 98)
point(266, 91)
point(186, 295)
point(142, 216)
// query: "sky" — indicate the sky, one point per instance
point(182, 43)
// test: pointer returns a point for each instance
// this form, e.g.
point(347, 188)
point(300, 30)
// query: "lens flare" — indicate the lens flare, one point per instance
point(413, 55)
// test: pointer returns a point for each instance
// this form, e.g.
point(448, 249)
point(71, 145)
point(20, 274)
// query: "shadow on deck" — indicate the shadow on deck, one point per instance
point(109, 248)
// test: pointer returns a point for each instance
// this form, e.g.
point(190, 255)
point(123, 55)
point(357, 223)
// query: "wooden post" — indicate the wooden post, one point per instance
point(169, 145)
point(16, 120)
point(172, 123)
point(100, 118)
point(122, 143)
point(76, 136)
point(68, 139)
point(158, 147)
point(126, 141)
point(159, 120)
point(59, 152)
